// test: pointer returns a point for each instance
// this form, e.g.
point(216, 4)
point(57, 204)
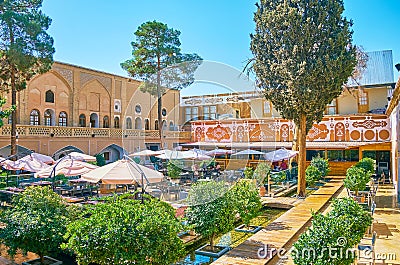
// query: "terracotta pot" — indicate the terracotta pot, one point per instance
point(262, 191)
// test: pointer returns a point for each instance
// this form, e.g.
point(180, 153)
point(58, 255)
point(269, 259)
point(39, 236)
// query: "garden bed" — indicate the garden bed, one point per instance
point(47, 261)
point(250, 229)
point(215, 252)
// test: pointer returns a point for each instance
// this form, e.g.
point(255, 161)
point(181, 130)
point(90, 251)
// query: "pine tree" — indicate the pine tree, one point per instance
point(25, 48)
point(158, 61)
point(303, 54)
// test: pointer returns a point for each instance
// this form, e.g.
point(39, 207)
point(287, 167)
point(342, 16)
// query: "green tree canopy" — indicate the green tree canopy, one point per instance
point(332, 236)
point(211, 209)
point(158, 61)
point(303, 55)
point(25, 48)
point(246, 199)
point(36, 222)
point(126, 231)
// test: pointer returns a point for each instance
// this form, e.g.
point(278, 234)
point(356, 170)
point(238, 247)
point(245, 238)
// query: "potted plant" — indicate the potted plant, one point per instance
point(248, 172)
point(261, 175)
point(312, 176)
point(174, 169)
point(36, 223)
point(247, 204)
point(210, 212)
point(321, 164)
point(368, 164)
point(356, 179)
point(279, 177)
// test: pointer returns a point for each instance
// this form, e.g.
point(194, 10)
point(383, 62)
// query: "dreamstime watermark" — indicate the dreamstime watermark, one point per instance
point(340, 251)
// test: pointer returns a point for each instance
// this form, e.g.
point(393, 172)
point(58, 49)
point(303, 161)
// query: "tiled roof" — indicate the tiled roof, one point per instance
point(379, 69)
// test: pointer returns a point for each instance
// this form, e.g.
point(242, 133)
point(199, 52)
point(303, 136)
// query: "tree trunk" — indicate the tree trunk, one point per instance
point(302, 134)
point(13, 114)
point(212, 242)
point(159, 102)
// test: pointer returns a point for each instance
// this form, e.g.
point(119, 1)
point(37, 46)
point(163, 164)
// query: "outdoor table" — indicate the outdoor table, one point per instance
point(77, 181)
point(42, 183)
point(63, 190)
point(73, 199)
point(14, 189)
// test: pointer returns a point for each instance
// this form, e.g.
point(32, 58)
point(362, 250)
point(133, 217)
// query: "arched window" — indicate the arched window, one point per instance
point(171, 126)
point(106, 122)
point(62, 119)
point(164, 125)
point(138, 123)
point(47, 118)
point(128, 123)
point(146, 124)
point(156, 125)
point(34, 117)
point(49, 96)
point(82, 120)
point(116, 122)
point(10, 119)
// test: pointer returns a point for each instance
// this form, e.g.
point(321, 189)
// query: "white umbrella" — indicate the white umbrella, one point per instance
point(248, 152)
point(43, 158)
point(81, 157)
point(217, 152)
point(28, 163)
point(123, 172)
point(168, 154)
point(280, 154)
point(147, 152)
point(67, 167)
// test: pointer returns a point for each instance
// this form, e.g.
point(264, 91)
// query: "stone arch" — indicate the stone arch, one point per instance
point(65, 150)
point(94, 120)
point(49, 117)
point(57, 75)
point(138, 123)
point(115, 152)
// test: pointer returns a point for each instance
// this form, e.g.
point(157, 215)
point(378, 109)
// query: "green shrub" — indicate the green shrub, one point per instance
point(356, 179)
point(321, 164)
point(312, 175)
point(211, 209)
point(248, 172)
point(247, 200)
point(100, 160)
point(368, 164)
point(261, 173)
point(126, 231)
point(174, 168)
point(36, 223)
point(279, 177)
point(331, 238)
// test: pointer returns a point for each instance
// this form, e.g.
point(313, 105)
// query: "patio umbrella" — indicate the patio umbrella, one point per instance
point(42, 158)
point(248, 152)
point(217, 152)
point(123, 172)
point(67, 167)
point(168, 154)
point(81, 157)
point(28, 163)
point(147, 153)
point(280, 154)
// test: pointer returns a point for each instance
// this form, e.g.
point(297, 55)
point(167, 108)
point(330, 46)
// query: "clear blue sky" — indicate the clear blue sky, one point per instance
point(97, 33)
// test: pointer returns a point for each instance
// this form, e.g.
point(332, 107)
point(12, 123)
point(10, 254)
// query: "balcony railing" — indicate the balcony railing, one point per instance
point(59, 131)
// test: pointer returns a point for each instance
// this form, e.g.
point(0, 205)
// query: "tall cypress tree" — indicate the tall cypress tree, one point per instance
point(303, 55)
point(26, 48)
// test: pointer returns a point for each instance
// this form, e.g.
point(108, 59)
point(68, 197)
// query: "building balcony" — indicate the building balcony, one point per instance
point(82, 132)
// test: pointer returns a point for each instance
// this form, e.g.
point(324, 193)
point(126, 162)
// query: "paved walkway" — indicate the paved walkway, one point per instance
point(386, 225)
point(281, 233)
